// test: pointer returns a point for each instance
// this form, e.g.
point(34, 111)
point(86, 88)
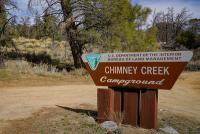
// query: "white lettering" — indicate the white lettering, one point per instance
point(154, 70)
point(120, 70)
point(135, 70)
point(143, 70)
point(107, 70)
point(104, 79)
point(166, 70)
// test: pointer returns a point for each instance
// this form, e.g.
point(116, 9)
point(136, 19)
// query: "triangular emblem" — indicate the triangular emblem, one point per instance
point(93, 60)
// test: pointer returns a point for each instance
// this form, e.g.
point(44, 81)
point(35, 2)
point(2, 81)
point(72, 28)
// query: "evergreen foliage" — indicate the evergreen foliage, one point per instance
point(119, 27)
point(5, 30)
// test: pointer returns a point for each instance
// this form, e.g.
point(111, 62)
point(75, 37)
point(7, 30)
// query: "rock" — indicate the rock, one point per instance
point(91, 119)
point(161, 110)
point(169, 130)
point(109, 125)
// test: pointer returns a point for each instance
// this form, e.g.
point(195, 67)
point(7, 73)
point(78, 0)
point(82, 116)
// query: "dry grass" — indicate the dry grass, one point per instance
point(79, 72)
point(191, 78)
point(24, 67)
point(56, 50)
point(183, 124)
point(54, 121)
point(76, 121)
point(5, 75)
point(118, 117)
point(28, 80)
point(22, 73)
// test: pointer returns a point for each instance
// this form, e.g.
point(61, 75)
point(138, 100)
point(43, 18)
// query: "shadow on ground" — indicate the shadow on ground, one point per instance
point(88, 112)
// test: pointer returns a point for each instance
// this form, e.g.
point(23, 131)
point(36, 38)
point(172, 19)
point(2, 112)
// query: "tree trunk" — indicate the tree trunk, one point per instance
point(76, 48)
point(76, 53)
point(71, 30)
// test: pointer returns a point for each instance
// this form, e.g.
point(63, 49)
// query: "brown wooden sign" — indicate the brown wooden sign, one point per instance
point(149, 70)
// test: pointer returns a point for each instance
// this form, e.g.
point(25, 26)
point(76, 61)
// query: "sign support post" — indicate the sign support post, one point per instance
point(131, 107)
point(148, 108)
point(105, 104)
point(138, 106)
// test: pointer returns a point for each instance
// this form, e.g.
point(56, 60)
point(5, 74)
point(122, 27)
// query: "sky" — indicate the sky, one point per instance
point(193, 6)
point(156, 5)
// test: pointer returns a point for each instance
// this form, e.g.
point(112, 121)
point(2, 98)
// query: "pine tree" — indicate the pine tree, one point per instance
point(122, 28)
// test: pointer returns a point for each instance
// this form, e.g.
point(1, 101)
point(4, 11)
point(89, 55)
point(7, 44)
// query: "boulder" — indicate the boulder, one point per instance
point(109, 125)
point(169, 130)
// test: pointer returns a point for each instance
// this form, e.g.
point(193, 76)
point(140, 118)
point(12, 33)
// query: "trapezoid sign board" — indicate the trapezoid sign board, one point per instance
point(149, 70)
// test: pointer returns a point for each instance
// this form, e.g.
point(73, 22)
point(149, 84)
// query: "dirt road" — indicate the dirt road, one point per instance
point(22, 102)
point(17, 103)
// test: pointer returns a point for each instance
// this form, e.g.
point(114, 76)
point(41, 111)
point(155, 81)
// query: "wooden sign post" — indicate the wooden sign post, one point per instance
point(131, 82)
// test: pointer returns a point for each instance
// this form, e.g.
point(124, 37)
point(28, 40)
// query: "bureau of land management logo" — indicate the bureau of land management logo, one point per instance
point(93, 60)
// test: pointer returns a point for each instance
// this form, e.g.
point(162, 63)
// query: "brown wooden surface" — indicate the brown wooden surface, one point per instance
point(105, 104)
point(117, 100)
point(130, 103)
point(138, 108)
point(175, 68)
point(148, 111)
